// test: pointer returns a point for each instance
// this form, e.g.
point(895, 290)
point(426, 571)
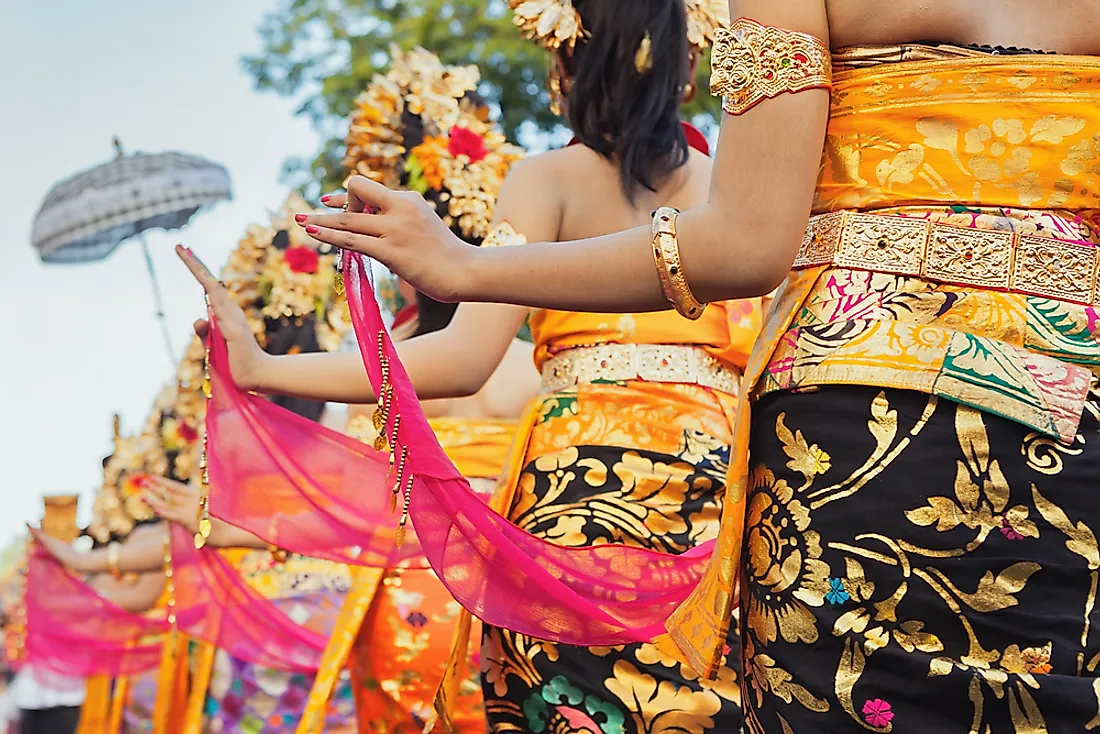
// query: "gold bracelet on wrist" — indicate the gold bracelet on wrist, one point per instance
point(751, 62)
point(666, 254)
point(278, 554)
point(112, 560)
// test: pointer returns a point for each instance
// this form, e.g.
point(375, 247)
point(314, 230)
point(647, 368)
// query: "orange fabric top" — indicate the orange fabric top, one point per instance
point(725, 330)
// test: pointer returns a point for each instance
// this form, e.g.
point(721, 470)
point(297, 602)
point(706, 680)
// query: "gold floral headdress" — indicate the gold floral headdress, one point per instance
point(460, 158)
point(556, 23)
point(278, 273)
point(118, 505)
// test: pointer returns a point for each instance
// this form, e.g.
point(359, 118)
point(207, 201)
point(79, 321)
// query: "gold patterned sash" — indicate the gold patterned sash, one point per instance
point(1000, 260)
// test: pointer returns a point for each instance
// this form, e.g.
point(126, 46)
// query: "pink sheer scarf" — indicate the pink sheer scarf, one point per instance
point(71, 630)
point(330, 497)
point(74, 631)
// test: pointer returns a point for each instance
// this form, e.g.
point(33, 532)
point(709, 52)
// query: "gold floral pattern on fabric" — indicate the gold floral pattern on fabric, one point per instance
point(589, 494)
point(937, 547)
point(931, 139)
point(402, 650)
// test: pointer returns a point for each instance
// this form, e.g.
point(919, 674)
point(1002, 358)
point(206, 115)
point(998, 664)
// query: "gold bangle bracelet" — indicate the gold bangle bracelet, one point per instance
point(112, 560)
point(278, 554)
point(671, 271)
point(658, 231)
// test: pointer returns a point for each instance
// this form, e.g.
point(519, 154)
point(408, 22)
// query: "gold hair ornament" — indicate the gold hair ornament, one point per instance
point(551, 23)
point(704, 19)
point(643, 57)
point(556, 23)
point(666, 256)
point(753, 62)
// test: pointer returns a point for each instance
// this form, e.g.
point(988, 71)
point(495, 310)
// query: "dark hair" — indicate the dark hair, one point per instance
point(293, 336)
point(432, 315)
point(626, 116)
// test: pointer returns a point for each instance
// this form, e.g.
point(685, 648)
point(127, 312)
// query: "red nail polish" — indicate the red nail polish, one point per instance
point(312, 230)
point(326, 199)
point(299, 218)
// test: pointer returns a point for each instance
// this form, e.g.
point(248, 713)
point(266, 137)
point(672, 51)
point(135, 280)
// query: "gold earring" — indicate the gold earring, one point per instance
point(554, 86)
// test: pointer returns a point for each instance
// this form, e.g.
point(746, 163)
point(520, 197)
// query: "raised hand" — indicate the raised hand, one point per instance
point(68, 556)
point(245, 354)
point(400, 230)
point(174, 501)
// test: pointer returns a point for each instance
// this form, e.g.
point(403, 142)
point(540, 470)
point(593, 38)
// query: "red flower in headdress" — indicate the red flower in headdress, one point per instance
point(302, 259)
point(187, 432)
point(465, 142)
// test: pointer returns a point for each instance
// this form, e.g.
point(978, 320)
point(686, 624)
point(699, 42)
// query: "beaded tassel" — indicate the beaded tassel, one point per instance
point(205, 526)
point(381, 416)
point(338, 280)
point(169, 581)
point(400, 479)
point(388, 440)
point(406, 500)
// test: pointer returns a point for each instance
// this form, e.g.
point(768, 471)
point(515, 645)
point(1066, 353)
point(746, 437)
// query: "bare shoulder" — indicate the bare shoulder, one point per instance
point(534, 173)
point(531, 198)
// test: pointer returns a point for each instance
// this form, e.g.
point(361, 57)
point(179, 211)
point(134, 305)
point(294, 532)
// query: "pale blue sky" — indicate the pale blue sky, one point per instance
point(79, 343)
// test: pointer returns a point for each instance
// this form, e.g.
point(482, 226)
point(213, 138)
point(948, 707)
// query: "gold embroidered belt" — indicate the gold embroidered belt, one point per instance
point(1065, 270)
point(648, 362)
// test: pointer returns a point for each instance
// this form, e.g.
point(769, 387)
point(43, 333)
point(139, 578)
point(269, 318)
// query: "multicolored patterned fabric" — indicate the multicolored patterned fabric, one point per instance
point(1000, 142)
point(401, 654)
point(396, 626)
point(253, 700)
point(904, 549)
point(137, 717)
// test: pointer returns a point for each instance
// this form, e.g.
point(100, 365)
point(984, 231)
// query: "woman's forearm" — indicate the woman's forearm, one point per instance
point(138, 596)
point(625, 278)
point(445, 364)
point(224, 535)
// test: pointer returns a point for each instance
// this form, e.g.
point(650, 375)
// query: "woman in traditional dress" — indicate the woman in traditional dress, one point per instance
point(285, 287)
point(914, 534)
point(396, 628)
point(630, 440)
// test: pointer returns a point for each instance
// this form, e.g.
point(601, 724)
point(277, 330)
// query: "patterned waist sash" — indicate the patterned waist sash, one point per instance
point(1000, 260)
point(665, 363)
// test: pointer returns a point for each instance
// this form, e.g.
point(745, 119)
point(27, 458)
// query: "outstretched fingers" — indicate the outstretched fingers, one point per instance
point(368, 224)
point(206, 279)
point(366, 244)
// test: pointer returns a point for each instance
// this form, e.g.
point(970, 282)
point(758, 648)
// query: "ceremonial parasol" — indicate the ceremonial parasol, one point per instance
point(87, 216)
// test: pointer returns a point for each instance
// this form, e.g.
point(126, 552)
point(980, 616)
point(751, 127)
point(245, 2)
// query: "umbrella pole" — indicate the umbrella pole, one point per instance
point(157, 300)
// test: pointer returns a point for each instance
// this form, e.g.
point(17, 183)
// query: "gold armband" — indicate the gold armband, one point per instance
point(752, 62)
point(666, 256)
